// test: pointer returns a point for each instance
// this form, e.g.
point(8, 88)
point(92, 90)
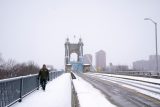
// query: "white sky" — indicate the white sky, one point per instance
point(36, 29)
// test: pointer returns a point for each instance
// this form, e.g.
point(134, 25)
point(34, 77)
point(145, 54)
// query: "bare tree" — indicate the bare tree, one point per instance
point(12, 69)
point(1, 59)
point(9, 64)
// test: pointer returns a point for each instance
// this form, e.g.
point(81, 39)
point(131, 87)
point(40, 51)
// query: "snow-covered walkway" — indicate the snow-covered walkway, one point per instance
point(89, 96)
point(57, 94)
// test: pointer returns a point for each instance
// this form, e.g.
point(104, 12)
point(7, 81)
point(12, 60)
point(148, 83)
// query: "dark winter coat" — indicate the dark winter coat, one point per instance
point(43, 74)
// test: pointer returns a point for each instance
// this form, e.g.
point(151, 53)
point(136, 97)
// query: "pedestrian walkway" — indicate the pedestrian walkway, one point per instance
point(57, 94)
point(89, 96)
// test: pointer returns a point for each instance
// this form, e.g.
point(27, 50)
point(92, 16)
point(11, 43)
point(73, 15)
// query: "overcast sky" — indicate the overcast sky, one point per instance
point(36, 29)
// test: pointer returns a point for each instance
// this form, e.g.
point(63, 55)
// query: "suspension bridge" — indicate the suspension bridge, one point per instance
point(86, 89)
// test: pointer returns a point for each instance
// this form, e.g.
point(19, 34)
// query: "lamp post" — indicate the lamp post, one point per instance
point(156, 41)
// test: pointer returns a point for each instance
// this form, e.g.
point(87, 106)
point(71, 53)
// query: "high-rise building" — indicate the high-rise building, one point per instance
point(147, 65)
point(101, 60)
point(87, 59)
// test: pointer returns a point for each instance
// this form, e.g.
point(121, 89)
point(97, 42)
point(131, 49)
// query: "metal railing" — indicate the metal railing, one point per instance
point(13, 90)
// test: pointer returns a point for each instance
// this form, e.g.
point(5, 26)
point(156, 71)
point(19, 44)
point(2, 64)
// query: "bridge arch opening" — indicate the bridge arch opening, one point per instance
point(73, 57)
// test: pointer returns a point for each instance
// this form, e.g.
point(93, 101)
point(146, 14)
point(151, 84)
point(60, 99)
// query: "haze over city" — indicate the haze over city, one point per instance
point(36, 30)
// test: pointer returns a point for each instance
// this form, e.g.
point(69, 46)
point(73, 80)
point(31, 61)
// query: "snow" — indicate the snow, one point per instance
point(57, 94)
point(154, 80)
point(58, 91)
point(141, 87)
point(157, 96)
point(138, 88)
point(89, 96)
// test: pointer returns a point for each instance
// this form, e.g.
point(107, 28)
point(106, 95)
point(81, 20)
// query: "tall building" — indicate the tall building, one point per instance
point(87, 59)
point(147, 65)
point(141, 65)
point(101, 60)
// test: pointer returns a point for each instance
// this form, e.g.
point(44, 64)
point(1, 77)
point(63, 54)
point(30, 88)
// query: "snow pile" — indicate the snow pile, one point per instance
point(57, 94)
point(89, 96)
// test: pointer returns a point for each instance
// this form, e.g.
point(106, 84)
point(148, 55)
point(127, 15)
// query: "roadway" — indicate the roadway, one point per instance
point(120, 95)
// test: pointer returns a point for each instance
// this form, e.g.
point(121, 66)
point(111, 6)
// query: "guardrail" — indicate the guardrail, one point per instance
point(13, 90)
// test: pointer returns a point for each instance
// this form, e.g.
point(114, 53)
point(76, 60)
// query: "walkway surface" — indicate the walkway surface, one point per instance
point(57, 94)
point(89, 96)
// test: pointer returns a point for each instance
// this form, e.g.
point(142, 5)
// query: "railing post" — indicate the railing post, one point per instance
point(21, 89)
point(37, 83)
point(52, 75)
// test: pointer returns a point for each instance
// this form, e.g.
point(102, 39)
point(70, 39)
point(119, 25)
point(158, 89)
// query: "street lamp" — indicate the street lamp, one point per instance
point(156, 41)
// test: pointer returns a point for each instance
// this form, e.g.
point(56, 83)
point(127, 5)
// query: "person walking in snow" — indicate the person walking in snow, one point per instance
point(43, 76)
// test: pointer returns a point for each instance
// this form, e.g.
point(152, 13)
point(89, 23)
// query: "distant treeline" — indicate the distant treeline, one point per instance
point(10, 68)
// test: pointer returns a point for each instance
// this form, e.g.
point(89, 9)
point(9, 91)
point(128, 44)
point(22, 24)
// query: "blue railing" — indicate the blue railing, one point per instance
point(13, 90)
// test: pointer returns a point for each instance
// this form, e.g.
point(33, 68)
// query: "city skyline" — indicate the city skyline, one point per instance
point(35, 30)
point(147, 65)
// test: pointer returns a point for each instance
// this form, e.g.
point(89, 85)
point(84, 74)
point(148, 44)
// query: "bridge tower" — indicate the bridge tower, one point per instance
point(76, 66)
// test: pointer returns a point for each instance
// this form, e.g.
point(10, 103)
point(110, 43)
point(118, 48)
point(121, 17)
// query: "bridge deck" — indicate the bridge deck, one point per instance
point(57, 94)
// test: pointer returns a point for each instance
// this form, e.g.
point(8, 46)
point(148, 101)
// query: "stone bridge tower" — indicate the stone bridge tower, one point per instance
point(73, 48)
